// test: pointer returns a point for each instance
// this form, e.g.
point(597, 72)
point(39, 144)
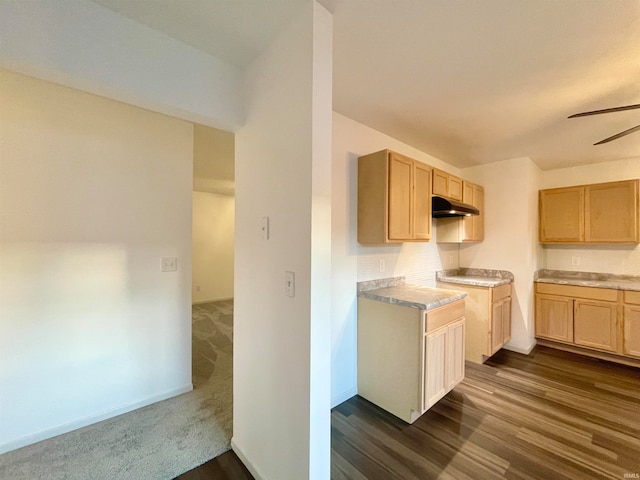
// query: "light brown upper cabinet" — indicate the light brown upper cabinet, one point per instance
point(473, 226)
point(561, 212)
point(447, 185)
point(611, 212)
point(598, 213)
point(394, 199)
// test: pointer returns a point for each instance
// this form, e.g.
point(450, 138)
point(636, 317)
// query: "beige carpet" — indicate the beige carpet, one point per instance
point(157, 442)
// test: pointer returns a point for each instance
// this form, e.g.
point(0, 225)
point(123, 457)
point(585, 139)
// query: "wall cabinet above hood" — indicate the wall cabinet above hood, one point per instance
point(443, 207)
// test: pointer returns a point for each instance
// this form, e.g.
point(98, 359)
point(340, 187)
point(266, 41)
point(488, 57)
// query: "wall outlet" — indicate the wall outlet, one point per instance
point(381, 265)
point(169, 264)
point(575, 260)
point(197, 288)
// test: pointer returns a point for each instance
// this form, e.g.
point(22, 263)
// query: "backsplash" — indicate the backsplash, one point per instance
point(615, 259)
point(417, 262)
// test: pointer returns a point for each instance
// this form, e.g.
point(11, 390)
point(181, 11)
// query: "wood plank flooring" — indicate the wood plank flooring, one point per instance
point(225, 467)
point(551, 415)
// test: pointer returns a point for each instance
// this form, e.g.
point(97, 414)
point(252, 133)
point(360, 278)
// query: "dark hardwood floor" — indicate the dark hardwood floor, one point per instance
point(551, 415)
point(225, 467)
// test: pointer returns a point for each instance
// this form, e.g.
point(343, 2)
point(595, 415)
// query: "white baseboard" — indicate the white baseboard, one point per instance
point(518, 349)
point(243, 458)
point(199, 302)
point(344, 396)
point(83, 422)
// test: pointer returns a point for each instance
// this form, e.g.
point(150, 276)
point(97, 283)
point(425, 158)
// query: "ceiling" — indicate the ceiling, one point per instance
point(467, 81)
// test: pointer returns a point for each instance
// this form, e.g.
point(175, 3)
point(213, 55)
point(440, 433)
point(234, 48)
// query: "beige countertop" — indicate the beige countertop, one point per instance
point(589, 279)
point(476, 277)
point(395, 291)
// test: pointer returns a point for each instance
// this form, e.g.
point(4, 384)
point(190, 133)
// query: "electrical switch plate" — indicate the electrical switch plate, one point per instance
point(381, 265)
point(290, 283)
point(169, 264)
point(264, 226)
point(575, 260)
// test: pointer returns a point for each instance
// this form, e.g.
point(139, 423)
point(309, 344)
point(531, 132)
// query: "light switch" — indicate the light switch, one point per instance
point(290, 283)
point(169, 264)
point(264, 226)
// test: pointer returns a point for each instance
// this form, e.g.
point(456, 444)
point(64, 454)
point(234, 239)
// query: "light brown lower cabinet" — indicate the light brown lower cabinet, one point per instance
point(408, 358)
point(554, 317)
point(488, 319)
point(594, 319)
point(595, 324)
point(632, 331)
point(444, 352)
point(631, 318)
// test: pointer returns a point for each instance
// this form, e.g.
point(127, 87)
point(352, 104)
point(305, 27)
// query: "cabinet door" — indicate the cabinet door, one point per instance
point(554, 318)
point(561, 215)
point(455, 354)
point(611, 212)
point(422, 201)
point(595, 324)
point(435, 381)
point(506, 321)
point(440, 183)
point(632, 331)
point(496, 326)
point(473, 227)
point(400, 197)
point(455, 188)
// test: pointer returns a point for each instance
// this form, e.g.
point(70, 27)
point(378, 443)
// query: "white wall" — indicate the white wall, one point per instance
point(213, 240)
point(352, 262)
point(511, 236)
point(92, 194)
point(617, 259)
point(281, 415)
point(81, 44)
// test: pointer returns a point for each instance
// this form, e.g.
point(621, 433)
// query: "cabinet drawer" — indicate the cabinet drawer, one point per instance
point(435, 319)
point(606, 294)
point(500, 292)
point(632, 297)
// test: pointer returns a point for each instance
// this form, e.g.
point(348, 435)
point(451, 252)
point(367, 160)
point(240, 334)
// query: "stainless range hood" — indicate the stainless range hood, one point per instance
point(443, 207)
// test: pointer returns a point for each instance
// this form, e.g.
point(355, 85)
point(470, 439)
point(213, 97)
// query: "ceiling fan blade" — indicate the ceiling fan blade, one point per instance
point(618, 135)
point(606, 110)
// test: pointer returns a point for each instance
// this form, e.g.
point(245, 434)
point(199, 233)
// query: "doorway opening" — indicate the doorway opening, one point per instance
point(213, 210)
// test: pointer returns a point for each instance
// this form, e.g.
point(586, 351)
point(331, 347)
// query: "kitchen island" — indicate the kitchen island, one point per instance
point(410, 345)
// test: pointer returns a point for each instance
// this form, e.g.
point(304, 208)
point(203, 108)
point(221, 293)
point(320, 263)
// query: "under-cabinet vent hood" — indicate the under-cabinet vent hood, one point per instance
point(444, 207)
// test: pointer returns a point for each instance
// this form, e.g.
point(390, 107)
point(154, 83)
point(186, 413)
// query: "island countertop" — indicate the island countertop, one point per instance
point(413, 296)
